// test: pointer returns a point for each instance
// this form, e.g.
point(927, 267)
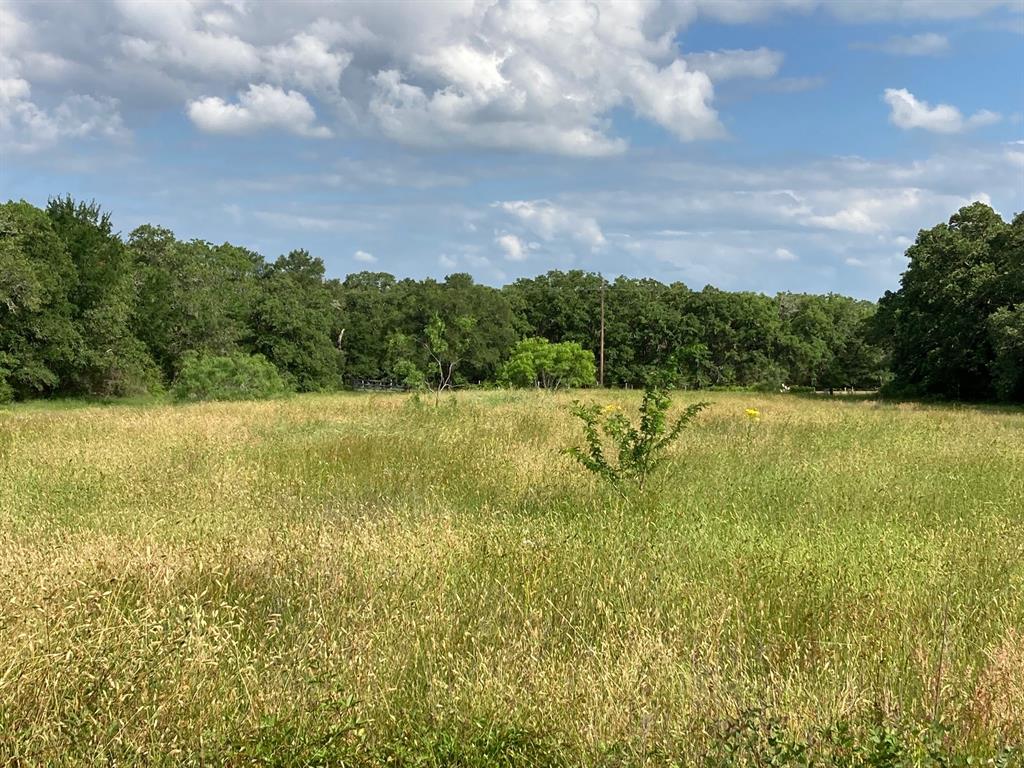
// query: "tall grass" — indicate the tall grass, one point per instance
point(364, 580)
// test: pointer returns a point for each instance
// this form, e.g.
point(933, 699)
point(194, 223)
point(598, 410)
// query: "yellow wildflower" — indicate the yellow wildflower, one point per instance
point(753, 414)
point(608, 410)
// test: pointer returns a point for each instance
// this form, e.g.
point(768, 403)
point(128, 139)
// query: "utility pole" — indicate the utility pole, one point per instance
point(600, 378)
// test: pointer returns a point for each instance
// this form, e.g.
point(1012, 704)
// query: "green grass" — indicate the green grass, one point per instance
point(366, 580)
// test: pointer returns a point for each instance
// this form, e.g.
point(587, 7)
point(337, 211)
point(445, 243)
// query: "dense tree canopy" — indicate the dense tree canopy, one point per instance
point(292, 320)
point(193, 297)
point(38, 338)
point(955, 325)
point(112, 359)
point(83, 311)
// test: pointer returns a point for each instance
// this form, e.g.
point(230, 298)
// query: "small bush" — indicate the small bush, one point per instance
point(228, 377)
point(639, 449)
point(537, 362)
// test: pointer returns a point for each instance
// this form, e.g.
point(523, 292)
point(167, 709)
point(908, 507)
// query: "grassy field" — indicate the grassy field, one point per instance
point(367, 580)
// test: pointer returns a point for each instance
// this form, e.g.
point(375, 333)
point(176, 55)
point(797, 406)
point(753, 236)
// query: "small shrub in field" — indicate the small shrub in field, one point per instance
point(638, 449)
point(228, 377)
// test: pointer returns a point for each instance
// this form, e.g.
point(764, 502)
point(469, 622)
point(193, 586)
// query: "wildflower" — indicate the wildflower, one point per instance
point(608, 410)
point(753, 414)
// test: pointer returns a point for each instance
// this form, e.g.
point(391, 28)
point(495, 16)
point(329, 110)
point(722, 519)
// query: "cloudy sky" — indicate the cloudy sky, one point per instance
point(769, 145)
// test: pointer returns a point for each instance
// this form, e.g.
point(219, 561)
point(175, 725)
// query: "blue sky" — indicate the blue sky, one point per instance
point(778, 145)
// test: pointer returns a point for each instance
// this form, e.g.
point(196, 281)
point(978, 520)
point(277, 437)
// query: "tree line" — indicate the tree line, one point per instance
point(87, 312)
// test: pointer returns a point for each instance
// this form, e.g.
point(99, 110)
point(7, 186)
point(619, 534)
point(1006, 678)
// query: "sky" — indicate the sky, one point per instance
point(777, 145)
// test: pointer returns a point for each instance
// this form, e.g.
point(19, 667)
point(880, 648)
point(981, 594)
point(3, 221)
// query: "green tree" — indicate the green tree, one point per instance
point(825, 344)
point(368, 314)
point(944, 324)
point(446, 343)
point(742, 334)
point(37, 335)
point(536, 362)
point(402, 365)
point(292, 321)
point(559, 306)
point(113, 360)
point(192, 296)
point(1006, 328)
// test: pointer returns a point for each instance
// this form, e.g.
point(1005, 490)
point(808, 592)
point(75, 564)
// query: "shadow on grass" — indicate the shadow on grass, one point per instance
point(925, 402)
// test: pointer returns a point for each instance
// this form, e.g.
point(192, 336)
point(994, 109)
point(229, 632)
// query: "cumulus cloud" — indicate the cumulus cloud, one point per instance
point(924, 44)
point(534, 76)
point(512, 247)
point(27, 127)
point(549, 221)
point(526, 76)
point(364, 257)
point(677, 99)
point(308, 62)
point(260, 107)
point(761, 63)
point(544, 77)
point(908, 112)
point(176, 36)
point(406, 113)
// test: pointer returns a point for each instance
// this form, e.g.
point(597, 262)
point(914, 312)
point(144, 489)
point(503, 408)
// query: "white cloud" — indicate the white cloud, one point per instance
point(364, 257)
point(923, 44)
point(407, 114)
point(869, 211)
point(530, 75)
point(1015, 153)
point(173, 35)
point(260, 107)
point(27, 127)
point(543, 77)
point(308, 62)
point(512, 246)
point(677, 99)
point(475, 72)
point(908, 112)
point(550, 221)
point(727, 224)
point(784, 254)
point(728, 64)
point(983, 117)
point(535, 76)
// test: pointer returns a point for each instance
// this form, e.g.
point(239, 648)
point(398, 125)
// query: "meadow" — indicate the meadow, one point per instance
point(358, 579)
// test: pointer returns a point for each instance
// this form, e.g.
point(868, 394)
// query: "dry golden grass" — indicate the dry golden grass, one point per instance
point(201, 584)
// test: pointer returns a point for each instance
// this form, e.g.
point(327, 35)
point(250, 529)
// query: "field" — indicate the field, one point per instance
point(370, 579)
